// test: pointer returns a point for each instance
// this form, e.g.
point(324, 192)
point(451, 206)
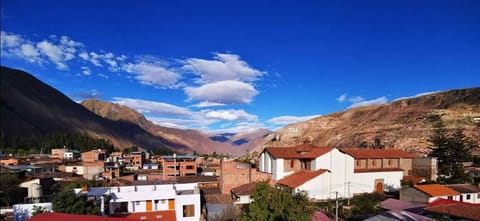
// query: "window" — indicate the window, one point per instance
point(468, 197)
point(189, 167)
point(358, 162)
point(389, 162)
point(292, 164)
point(450, 197)
point(373, 162)
point(188, 210)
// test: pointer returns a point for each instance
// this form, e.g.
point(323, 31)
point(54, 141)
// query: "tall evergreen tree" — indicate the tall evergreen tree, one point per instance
point(451, 149)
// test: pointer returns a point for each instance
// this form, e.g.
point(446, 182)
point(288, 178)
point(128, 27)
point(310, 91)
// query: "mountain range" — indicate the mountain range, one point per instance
point(402, 124)
point(31, 108)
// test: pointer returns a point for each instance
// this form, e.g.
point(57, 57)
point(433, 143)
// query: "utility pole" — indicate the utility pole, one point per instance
point(336, 206)
point(348, 196)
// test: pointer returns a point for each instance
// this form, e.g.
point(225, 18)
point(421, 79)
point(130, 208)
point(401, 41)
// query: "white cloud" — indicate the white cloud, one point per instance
point(9, 40)
point(356, 99)
point(229, 115)
point(224, 67)
point(208, 104)
point(86, 71)
point(30, 53)
point(417, 95)
point(153, 74)
point(342, 98)
point(152, 107)
point(240, 127)
point(284, 120)
point(226, 92)
point(380, 100)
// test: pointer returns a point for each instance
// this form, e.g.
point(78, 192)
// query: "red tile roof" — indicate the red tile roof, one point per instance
point(377, 153)
point(167, 215)
point(245, 189)
point(369, 170)
point(455, 208)
point(300, 177)
point(74, 217)
point(436, 190)
point(414, 179)
point(304, 151)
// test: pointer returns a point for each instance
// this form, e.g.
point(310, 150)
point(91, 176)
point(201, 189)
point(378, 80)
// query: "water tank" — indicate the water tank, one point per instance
point(34, 190)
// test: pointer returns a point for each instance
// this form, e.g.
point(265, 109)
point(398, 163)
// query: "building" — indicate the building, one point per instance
point(428, 193)
point(9, 162)
point(134, 160)
point(179, 165)
point(93, 156)
point(234, 173)
point(381, 159)
point(66, 154)
point(325, 172)
point(425, 167)
point(468, 193)
point(150, 166)
point(89, 170)
point(181, 201)
point(453, 210)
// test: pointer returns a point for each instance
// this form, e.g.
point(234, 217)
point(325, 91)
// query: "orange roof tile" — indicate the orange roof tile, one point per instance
point(369, 170)
point(436, 190)
point(377, 153)
point(300, 177)
point(304, 151)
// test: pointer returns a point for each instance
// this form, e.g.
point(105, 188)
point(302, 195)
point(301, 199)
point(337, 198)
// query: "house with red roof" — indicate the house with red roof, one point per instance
point(323, 172)
point(428, 193)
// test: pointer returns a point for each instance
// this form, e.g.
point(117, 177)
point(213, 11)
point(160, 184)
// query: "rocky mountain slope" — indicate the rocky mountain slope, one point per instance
point(403, 124)
point(31, 108)
point(202, 142)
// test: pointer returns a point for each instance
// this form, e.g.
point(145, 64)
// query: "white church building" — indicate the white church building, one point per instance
point(323, 172)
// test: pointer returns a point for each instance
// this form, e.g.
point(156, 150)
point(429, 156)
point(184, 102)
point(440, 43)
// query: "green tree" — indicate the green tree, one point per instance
point(277, 204)
point(451, 149)
point(10, 193)
point(366, 203)
point(69, 202)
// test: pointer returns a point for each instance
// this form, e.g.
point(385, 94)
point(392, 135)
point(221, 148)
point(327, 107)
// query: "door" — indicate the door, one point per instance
point(149, 205)
point(171, 204)
point(379, 186)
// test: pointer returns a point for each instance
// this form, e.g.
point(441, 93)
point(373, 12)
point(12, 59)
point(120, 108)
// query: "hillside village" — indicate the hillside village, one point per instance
point(143, 186)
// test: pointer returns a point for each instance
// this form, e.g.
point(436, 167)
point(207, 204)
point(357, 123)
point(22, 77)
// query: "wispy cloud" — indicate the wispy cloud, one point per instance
point(226, 92)
point(224, 67)
point(229, 115)
point(152, 107)
point(417, 95)
point(153, 74)
point(285, 120)
point(342, 98)
point(376, 101)
point(208, 104)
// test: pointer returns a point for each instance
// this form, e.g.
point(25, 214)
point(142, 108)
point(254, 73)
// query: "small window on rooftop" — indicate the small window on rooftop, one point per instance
point(468, 197)
point(292, 163)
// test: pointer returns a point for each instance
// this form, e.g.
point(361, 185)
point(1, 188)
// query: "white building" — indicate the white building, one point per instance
point(468, 192)
point(324, 172)
point(181, 201)
point(23, 212)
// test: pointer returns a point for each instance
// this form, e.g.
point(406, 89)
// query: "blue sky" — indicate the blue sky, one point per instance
point(224, 66)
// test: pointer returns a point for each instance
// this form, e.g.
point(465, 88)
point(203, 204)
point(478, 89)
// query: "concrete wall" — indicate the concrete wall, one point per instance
point(413, 195)
point(232, 175)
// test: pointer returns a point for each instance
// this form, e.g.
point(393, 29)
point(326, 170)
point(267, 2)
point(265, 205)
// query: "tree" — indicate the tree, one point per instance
point(277, 204)
point(366, 203)
point(451, 149)
point(69, 202)
point(10, 193)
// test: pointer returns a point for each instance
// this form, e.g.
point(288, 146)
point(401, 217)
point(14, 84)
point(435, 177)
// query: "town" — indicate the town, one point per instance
point(142, 186)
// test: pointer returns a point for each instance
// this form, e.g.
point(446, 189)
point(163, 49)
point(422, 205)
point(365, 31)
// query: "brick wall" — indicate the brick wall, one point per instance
point(233, 174)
